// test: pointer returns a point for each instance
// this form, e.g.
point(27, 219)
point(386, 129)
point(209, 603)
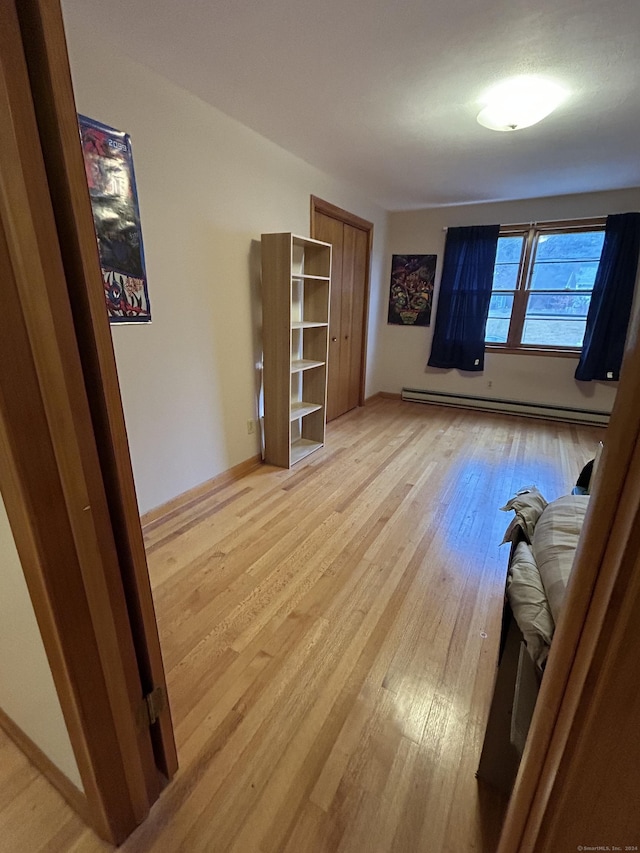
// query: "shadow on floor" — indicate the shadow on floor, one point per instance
point(492, 806)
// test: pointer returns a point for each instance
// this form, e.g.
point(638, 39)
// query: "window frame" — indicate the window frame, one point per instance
point(529, 231)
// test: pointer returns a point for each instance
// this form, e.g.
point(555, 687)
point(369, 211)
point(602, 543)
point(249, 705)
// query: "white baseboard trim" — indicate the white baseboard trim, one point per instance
point(517, 407)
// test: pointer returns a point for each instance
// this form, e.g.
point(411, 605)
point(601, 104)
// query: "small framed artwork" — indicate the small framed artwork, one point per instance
point(411, 289)
point(108, 162)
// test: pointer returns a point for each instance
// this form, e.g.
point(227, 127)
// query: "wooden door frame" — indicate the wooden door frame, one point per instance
point(319, 205)
point(587, 639)
point(51, 83)
point(52, 475)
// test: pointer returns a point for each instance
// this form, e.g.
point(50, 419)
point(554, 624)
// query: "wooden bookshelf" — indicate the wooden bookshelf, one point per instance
point(295, 312)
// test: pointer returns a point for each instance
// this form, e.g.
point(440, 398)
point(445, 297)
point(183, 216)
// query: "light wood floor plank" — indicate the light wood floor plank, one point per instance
point(330, 635)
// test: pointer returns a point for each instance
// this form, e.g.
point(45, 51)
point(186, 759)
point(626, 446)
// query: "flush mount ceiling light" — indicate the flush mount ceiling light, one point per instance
point(520, 102)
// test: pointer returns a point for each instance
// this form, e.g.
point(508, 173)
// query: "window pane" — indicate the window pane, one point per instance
point(499, 318)
point(509, 250)
point(570, 247)
point(497, 331)
point(556, 319)
point(505, 277)
point(567, 261)
point(559, 332)
point(552, 305)
point(564, 275)
point(505, 274)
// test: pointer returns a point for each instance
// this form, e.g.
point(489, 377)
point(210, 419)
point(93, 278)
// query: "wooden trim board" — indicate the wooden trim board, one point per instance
point(319, 205)
point(50, 472)
point(56, 116)
point(384, 395)
point(72, 795)
point(182, 501)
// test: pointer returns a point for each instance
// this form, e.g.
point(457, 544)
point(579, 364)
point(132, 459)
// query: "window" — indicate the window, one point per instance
point(542, 285)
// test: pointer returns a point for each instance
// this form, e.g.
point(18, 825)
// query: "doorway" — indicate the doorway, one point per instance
point(351, 238)
point(65, 472)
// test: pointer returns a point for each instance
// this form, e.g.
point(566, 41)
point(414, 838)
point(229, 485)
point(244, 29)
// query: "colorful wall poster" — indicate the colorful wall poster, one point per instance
point(411, 289)
point(108, 164)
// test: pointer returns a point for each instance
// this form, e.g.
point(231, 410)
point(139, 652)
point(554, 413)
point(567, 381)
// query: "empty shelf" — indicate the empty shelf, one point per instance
point(304, 364)
point(300, 409)
point(303, 447)
point(303, 277)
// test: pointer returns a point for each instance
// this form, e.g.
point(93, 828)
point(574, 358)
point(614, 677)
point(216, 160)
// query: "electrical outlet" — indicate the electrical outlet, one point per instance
point(251, 426)
point(489, 384)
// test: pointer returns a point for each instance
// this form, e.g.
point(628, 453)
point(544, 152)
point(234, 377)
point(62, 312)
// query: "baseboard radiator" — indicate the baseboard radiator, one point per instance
point(487, 404)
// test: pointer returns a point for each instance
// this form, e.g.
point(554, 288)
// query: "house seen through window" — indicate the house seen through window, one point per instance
point(542, 285)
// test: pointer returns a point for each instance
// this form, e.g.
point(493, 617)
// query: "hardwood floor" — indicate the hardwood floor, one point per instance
point(330, 636)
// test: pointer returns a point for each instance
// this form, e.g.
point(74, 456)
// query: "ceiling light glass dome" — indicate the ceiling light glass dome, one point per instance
point(520, 102)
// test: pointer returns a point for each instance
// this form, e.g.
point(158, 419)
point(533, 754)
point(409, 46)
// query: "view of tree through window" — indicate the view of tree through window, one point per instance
point(542, 285)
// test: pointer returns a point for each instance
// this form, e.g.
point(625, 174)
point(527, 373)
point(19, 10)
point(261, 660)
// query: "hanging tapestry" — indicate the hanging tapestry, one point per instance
point(411, 291)
point(114, 200)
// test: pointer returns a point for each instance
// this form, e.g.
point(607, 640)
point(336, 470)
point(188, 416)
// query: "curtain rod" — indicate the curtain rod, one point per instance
point(583, 221)
point(511, 224)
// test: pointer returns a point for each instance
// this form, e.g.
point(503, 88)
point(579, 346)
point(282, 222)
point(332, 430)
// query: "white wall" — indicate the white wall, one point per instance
point(27, 693)
point(402, 354)
point(208, 187)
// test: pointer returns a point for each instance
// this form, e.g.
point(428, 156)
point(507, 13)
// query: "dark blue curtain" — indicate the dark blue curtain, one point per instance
point(610, 307)
point(465, 293)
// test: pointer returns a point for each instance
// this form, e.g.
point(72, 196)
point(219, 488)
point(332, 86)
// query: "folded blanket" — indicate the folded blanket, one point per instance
point(529, 604)
point(528, 505)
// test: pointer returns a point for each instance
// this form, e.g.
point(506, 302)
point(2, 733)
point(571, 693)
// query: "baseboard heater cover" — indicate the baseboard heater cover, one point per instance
point(489, 404)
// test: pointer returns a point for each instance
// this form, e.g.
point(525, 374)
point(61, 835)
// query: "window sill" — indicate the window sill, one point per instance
point(547, 351)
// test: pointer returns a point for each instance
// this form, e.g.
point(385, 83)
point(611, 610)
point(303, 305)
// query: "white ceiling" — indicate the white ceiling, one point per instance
point(385, 94)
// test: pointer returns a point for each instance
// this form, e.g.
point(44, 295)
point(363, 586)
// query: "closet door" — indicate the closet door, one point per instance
point(351, 239)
